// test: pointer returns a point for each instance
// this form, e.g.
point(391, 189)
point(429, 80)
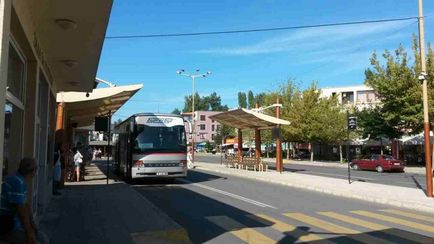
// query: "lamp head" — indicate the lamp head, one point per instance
point(208, 72)
point(180, 71)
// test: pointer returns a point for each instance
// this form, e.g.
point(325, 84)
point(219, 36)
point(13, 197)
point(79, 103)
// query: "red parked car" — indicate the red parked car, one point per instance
point(380, 163)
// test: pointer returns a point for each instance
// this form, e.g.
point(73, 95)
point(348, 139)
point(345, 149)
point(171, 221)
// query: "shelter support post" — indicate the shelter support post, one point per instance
point(279, 163)
point(240, 144)
point(60, 135)
point(257, 143)
point(257, 139)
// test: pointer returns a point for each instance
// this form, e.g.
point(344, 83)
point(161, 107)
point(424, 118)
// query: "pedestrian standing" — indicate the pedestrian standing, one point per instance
point(190, 164)
point(16, 222)
point(78, 160)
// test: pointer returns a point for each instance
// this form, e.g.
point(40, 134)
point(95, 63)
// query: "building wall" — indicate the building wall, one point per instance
point(355, 96)
point(205, 128)
point(28, 107)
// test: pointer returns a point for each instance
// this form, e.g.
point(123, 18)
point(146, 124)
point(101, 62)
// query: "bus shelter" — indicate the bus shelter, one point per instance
point(247, 119)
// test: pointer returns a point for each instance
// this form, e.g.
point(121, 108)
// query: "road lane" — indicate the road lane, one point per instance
point(198, 204)
point(388, 178)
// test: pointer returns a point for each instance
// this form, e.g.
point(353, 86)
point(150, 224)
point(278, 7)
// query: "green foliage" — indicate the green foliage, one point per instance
point(242, 100)
point(251, 99)
point(118, 121)
point(397, 86)
point(204, 103)
point(315, 119)
point(372, 124)
point(208, 146)
point(223, 131)
point(176, 111)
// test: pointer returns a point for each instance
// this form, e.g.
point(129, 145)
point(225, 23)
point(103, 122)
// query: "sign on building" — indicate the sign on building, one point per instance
point(352, 123)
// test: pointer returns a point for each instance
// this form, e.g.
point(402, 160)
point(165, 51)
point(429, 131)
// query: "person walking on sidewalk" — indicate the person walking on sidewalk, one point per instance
point(78, 160)
point(190, 164)
point(16, 223)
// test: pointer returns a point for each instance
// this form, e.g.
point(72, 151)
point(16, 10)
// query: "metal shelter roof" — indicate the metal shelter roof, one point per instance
point(82, 108)
point(244, 119)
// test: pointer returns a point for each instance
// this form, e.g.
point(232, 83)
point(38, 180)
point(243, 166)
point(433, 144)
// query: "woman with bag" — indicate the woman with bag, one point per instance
point(78, 160)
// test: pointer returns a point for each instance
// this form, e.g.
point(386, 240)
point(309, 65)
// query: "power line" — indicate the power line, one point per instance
point(258, 30)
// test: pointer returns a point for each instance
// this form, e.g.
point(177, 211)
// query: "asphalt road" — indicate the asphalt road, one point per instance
point(387, 178)
point(215, 208)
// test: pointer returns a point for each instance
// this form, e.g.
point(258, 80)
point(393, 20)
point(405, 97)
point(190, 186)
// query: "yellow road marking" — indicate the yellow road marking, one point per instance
point(409, 215)
point(394, 220)
point(170, 236)
point(287, 229)
point(351, 220)
point(239, 230)
point(379, 227)
point(335, 229)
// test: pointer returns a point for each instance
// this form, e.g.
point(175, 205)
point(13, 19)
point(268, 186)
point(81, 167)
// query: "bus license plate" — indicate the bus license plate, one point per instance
point(162, 173)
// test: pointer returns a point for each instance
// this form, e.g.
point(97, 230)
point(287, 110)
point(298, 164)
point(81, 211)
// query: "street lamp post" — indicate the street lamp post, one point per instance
point(193, 78)
point(422, 77)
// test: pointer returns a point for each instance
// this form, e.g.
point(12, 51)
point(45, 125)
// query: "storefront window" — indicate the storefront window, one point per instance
point(14, 112)
point(15, 73)
point(12, 137)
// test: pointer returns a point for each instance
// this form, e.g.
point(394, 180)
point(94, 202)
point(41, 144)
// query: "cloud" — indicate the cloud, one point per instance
point(313, 38)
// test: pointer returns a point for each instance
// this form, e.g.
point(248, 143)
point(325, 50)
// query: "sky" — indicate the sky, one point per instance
point(332, 56)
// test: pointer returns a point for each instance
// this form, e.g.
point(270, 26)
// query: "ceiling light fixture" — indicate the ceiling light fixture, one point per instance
point(66, 24)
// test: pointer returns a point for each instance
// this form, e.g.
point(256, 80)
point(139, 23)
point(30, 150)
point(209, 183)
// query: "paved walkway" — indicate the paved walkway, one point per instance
point(410, 198)
point(93, 212)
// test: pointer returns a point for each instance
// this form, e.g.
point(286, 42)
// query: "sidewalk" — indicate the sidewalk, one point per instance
point(93, 212)
point(411, 169)
point(403, 197)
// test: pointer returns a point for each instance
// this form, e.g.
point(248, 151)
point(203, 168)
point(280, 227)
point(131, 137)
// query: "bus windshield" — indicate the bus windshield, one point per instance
point(159, 139)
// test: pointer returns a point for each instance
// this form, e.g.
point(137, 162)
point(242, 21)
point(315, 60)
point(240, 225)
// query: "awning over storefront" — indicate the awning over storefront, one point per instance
point(243, 119)
point(415, 139)
point(83, 107)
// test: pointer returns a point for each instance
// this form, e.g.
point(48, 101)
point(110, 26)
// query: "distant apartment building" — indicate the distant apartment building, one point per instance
point(206, 128)
point(360, 96)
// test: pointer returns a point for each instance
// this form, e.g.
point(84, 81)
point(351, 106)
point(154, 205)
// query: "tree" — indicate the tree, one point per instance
point(398, 88)
point(215, 103)
point(315, 119)
point(118, 121)
point(251, 100)
point(204, 103)
point(259, 98)
point(223, 131)
point(242, 100)
point(176, 111)
point(373, 125)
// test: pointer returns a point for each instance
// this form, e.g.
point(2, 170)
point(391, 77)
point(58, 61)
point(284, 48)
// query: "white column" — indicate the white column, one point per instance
point(5, 19)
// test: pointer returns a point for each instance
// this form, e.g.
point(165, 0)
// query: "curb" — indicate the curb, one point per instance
point(401, 204)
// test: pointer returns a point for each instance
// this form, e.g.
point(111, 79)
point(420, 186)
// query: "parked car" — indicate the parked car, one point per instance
point(380, 163)
point(302, 154)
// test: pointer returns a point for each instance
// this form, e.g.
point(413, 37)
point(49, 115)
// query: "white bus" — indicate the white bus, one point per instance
point(151, 146)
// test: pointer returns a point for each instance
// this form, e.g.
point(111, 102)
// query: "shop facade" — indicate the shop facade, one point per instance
point(38, 58)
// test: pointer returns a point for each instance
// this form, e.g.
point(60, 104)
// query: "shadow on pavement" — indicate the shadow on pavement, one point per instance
point(114, 213)
point(206, 219)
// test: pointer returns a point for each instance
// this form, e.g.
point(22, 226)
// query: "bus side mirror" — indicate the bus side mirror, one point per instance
point(190, 129)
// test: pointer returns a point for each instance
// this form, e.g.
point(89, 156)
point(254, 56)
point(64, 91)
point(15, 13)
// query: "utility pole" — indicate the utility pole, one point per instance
point(193, 78)
point(426, 129)
point(279, 162)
